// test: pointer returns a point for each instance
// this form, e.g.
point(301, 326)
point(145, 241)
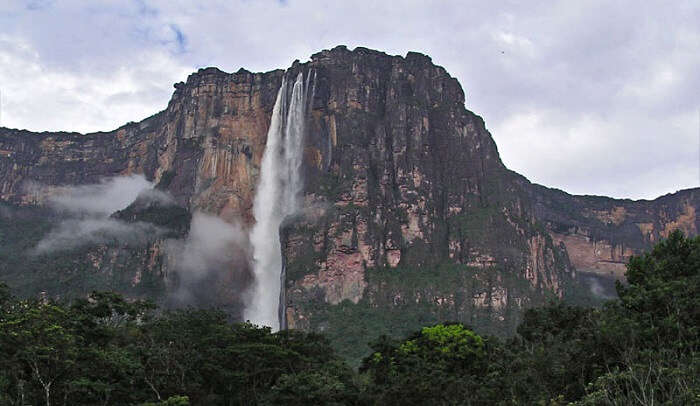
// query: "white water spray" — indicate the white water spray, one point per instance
point(277, 197)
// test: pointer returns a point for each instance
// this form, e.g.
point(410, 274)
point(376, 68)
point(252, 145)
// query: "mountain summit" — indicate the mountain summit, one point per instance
point(406, 214)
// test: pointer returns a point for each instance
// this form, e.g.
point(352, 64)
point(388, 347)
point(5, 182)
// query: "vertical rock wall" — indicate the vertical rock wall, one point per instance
point(409, 214)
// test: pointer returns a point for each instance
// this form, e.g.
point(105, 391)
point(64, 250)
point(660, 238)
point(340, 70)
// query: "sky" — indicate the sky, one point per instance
point(591, 97)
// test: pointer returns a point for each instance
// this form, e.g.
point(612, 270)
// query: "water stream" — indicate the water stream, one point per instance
point(277, 197)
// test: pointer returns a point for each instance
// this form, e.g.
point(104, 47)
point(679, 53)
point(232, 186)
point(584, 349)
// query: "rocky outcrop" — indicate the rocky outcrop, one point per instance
point(409, 181)
point(409, 211)
point(600, 234)
point(204, 149)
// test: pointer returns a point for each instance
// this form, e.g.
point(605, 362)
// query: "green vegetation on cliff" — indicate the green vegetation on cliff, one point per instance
point(401, 300)
point(100, 262)
point(639, 349)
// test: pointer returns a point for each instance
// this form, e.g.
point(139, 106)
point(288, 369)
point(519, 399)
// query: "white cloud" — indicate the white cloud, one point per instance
point(214, 256)
point(86, 211)
point(104, 198)
point(211, 243)
point(611, 74)
point(594, 153)
point(74, 233)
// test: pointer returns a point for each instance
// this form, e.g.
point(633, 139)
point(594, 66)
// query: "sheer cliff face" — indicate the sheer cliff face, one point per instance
point(402, 179)
point(408, 211)
point(204, 149)
point(600, 234)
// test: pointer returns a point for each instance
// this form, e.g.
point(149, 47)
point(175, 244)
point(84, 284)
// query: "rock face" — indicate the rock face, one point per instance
point(600, 234)
point(405, 182)
point(204, 149)
point(410, 214)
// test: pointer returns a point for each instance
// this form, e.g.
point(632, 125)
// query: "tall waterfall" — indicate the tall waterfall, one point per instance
point(277, 197)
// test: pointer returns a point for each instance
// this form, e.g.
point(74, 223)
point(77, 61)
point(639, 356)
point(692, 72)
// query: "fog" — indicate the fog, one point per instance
point(86, 210)
point(211, 264)
point(74, 233)
point(104, 198)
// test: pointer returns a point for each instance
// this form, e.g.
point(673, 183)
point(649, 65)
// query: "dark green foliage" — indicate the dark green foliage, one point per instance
point(171, 401)
point(173, 219)
point(661, 297)
point(106, 350)
point(333, 383)
point(77, 271)
point(350, 327)
point(638, 349)
point(653, 331)
point(433, 366)
point(397, 302)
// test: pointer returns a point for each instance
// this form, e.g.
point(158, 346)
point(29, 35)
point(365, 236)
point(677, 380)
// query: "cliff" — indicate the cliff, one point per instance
point(409, 217)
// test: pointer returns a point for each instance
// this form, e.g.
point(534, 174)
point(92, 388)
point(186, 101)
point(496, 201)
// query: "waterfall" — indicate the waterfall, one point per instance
point(276, 198)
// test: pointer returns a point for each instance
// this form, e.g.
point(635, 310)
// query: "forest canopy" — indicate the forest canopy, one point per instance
point(104, 349)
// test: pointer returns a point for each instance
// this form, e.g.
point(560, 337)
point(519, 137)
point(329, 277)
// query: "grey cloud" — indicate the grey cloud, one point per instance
point(87, 209)
point(211, 242)
point(214, 257)
point(602, 287)
point(104, 198)
point(163, 199)
point(627, 69)
point(38, 4)
point(74, 233)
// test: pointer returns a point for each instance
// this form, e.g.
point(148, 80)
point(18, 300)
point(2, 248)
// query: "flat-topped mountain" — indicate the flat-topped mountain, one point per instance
point(406, 213)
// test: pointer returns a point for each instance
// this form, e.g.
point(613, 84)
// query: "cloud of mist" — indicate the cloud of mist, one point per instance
point(210, 242)
point(210, 266)
point(104, 198)
point(596, 288)
point(211, 263)
point(73, 233)
point(600, 286)
point(87, 210)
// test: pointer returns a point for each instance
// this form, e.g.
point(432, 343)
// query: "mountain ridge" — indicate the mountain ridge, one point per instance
point(411, 214)
point(216, 71)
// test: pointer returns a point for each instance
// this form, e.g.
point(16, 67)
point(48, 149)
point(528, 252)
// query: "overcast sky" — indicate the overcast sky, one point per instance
point(589, 97)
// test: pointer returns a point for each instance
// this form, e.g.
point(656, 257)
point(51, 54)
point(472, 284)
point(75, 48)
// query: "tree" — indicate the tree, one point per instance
point(37, 337)
point(652, 331)
point(435, 365)
point(329, 384)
